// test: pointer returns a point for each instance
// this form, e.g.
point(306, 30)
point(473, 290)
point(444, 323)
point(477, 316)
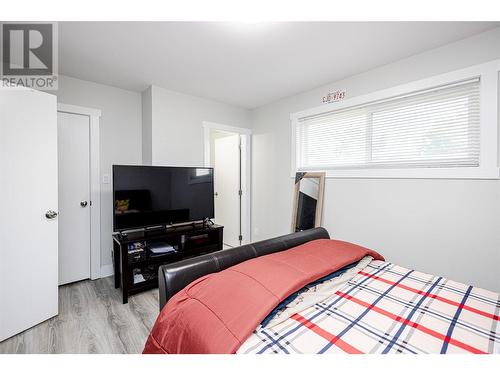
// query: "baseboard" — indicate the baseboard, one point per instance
point(107, 270)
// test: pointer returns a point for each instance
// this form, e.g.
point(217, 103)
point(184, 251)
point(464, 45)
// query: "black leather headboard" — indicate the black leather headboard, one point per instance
point(174, 277)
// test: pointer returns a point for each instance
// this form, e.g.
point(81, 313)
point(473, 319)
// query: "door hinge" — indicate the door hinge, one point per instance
point(240, 192)
point(240, 237)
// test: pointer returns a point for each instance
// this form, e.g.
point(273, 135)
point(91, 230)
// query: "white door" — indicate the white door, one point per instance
point(74, 197)
point(28, 192)
point(227, 186)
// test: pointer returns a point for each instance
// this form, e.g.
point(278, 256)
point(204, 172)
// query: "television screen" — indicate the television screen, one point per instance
point(146, 196)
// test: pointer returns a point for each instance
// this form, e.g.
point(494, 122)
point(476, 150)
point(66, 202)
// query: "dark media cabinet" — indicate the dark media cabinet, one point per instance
point(189, 241)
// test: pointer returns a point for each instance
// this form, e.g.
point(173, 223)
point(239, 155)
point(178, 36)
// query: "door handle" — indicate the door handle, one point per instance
point(83, 203)
point(51, 214)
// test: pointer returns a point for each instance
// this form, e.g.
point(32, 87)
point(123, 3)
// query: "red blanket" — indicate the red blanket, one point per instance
point(217, 312)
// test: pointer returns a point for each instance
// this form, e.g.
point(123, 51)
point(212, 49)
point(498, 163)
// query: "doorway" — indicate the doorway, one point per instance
point(227, 150)
point(78, 193)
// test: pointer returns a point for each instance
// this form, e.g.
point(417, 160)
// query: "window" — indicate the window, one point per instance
point(444, 126)
point(431, 128)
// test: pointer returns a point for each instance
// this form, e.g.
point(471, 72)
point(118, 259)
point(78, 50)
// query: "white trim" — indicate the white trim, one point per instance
point(246, 150)
point(107, 270)
point(95, 187)
point(488, 168)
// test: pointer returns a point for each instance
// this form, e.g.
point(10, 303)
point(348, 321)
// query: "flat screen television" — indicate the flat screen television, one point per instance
point(148, 196)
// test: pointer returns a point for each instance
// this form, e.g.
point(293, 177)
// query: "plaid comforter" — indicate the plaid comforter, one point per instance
point(386, 308)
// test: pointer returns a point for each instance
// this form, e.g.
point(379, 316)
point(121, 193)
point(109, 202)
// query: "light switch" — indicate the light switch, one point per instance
point(105, 178)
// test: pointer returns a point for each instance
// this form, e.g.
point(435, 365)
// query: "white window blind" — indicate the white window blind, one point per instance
point(437, 127)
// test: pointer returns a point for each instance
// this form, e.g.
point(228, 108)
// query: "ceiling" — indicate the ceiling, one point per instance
point(245, 64)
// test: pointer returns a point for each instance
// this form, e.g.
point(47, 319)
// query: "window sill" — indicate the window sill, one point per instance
point(470, 173)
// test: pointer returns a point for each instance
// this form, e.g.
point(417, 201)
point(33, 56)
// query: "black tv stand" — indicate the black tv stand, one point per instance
point(190, 240)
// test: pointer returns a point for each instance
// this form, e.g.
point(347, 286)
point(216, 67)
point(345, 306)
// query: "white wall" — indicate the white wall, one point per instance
point(445, 227)
point(426, 224)
point(147, 124)
point(120, 136)
point(177, 132)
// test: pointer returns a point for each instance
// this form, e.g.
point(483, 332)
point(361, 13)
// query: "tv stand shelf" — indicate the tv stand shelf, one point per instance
point(189, 241)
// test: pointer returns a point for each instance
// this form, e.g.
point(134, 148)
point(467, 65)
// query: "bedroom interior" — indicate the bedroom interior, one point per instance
point(227, 187)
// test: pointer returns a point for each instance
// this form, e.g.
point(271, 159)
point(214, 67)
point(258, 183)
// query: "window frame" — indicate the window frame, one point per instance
point(488, 151)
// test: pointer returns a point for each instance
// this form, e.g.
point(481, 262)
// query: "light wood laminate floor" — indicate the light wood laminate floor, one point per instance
point(92, 319)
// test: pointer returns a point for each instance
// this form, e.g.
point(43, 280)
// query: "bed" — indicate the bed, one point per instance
point(306, 293)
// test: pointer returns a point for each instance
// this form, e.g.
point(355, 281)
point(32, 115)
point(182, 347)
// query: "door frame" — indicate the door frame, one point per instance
point(246, 172)
point(95, 188)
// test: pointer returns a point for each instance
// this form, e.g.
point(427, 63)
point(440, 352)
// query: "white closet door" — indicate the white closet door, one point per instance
point(227, 186)
point(28, 192)
point(74, 197)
